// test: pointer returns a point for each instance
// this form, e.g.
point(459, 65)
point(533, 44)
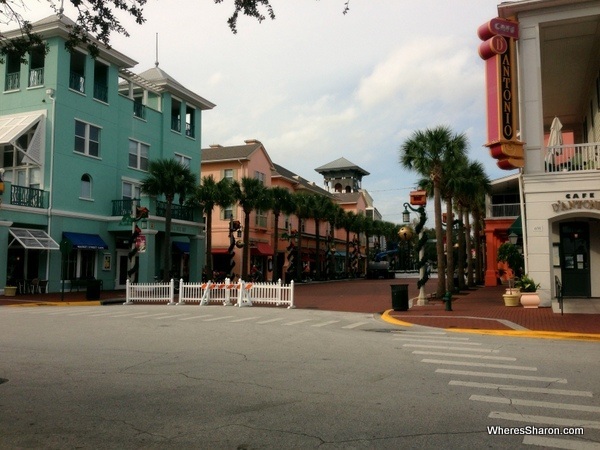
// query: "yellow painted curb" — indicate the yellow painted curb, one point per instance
point(388, 318)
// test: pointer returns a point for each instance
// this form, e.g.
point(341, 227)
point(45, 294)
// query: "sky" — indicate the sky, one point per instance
point(315, 85)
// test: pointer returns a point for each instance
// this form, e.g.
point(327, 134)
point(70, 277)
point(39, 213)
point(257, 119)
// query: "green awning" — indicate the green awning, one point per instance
point(516, 227)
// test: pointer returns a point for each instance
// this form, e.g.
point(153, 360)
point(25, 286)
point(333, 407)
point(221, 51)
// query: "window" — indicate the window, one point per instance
point(130, 190)
point(185, 161)
point(138, 155)
point(86, 187)
point(87, 139)
point(176, 115)
point(13, 72)
point(190, 114)
point(36, 67)
point(77, 74)
point(80, 264)
point(261, 219)
point(260, 177)
point(100, 82)
point(228, 212)
point(228, 173)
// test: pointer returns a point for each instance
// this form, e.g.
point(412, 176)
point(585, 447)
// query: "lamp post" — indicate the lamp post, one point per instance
point(423, 275)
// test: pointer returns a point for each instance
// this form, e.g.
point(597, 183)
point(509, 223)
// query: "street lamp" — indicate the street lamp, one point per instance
point(513, 238)
point(419, 199)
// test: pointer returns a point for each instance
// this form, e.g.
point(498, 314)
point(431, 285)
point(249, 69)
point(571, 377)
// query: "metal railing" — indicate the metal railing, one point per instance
point(572, 158)
point(101, 92)
point(122, 207)
point(25, 196)
point(36, 77)
point(13, 81)
point(189, 130)
point(77, 82)
point(506, 210)
point(139, 110)
point(177, 211)
point(175, 124)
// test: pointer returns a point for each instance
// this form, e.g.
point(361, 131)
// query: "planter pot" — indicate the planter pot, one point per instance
point(513, 291)
point(10, 291)
point(511, 299)
point(530, 299)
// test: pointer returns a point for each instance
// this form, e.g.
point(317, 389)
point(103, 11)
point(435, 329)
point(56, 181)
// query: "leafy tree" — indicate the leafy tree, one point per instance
point(169, 178)
point(251, 195)
point(97, 19)
point(207, 195)
point(282, 202)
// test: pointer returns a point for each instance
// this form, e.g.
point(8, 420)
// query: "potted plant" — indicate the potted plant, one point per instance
point(10, 291)
point(529, 295)
point(509, 254)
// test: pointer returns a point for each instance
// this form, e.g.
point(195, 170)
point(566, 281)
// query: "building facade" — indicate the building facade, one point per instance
point(556, 82)
point(76, 137)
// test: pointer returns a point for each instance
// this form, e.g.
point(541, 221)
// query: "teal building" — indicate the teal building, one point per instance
point(76, 136)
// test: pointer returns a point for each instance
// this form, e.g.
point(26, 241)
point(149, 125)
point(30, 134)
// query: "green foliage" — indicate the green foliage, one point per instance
point(509, 253)
point(526, 284)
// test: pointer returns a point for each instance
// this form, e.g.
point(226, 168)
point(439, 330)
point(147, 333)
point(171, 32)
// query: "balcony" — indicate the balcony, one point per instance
point(175, 124)
point(506, 210)
point(13, 81)
point(122, 207)
point(31, 197)
point(177, 211)
point(572, 158)
point(101, 92)
point(77, 82)
point(36, 77)
point(139, 110)
point(189, 130)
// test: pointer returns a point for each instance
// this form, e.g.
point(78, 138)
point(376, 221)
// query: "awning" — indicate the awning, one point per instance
point(13, 126)
point(85, 241)
point(516, 227)
point(183, 247)
point(261, 249)
point(33, 239)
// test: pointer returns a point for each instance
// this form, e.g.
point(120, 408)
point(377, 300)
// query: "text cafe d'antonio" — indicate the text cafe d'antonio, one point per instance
point(577, 201)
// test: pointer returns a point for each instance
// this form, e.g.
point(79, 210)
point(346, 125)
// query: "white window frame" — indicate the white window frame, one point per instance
point(184, 160)
point(136, 189)
point(87, 140)
point(138, 155)
point(82, 194)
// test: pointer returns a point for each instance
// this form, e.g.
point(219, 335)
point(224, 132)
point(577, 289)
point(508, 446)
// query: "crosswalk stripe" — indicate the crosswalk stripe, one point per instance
point(509, 387)
point(559, 421)
point(270, 320)
point(543, 441)
point(418, 339)
point(325, 323)
point(535, 403)
point(243, 320)
point(217, 318)
point(354, 325)
point(101, 314)
point(501, 375)
point(474, 364)
point(444, 347)
point(126, 314)
point(296, 322)
point(196, 317)
point(465, 355)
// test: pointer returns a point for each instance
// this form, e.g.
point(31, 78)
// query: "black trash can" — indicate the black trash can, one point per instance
point(93, 290)
point(400, 297)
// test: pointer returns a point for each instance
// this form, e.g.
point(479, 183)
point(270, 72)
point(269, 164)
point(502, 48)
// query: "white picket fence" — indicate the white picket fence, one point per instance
point(227, 293)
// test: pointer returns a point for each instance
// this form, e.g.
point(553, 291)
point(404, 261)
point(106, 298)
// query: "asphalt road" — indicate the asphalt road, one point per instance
point(248, 378)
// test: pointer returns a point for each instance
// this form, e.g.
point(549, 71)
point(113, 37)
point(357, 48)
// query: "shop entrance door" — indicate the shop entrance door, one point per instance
point(575, 259)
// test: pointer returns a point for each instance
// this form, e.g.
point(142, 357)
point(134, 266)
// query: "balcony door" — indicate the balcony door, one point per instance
point(575, 259)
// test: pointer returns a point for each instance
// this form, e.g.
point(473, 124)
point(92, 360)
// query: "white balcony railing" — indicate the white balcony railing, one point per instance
point(569, 158)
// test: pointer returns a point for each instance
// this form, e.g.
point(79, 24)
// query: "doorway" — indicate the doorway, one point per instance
point(575, 259)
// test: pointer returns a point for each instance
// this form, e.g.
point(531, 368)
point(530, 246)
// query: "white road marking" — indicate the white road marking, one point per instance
point(325, 323)
point(465, 355)
point(354, 325)
point(443, 347)
point(558, 421)
point(244, 319)
point(474, 364)
point(509, 387)
point(197, 317)
point(218, 318)
point(296, 322)
point(542, 441)
point(502, 375)
point(270, 320)
point(535, 403)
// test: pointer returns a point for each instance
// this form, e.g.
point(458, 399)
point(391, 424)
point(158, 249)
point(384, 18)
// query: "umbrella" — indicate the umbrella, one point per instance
point(555, 137)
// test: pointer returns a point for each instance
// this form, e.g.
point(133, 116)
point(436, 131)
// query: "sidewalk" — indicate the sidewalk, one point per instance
point(476, 309)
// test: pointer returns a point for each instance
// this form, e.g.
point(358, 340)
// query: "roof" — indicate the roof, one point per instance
point(299, 182)
point(340, 164)
point(219, 153)
point(161, 78)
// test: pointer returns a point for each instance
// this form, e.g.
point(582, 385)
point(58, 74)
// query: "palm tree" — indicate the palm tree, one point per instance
point(425, 152)
point(303, 203)
point(251, 195)
point(282, 201)
point(168, 177)
point(321, 210)
point(206, 196)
